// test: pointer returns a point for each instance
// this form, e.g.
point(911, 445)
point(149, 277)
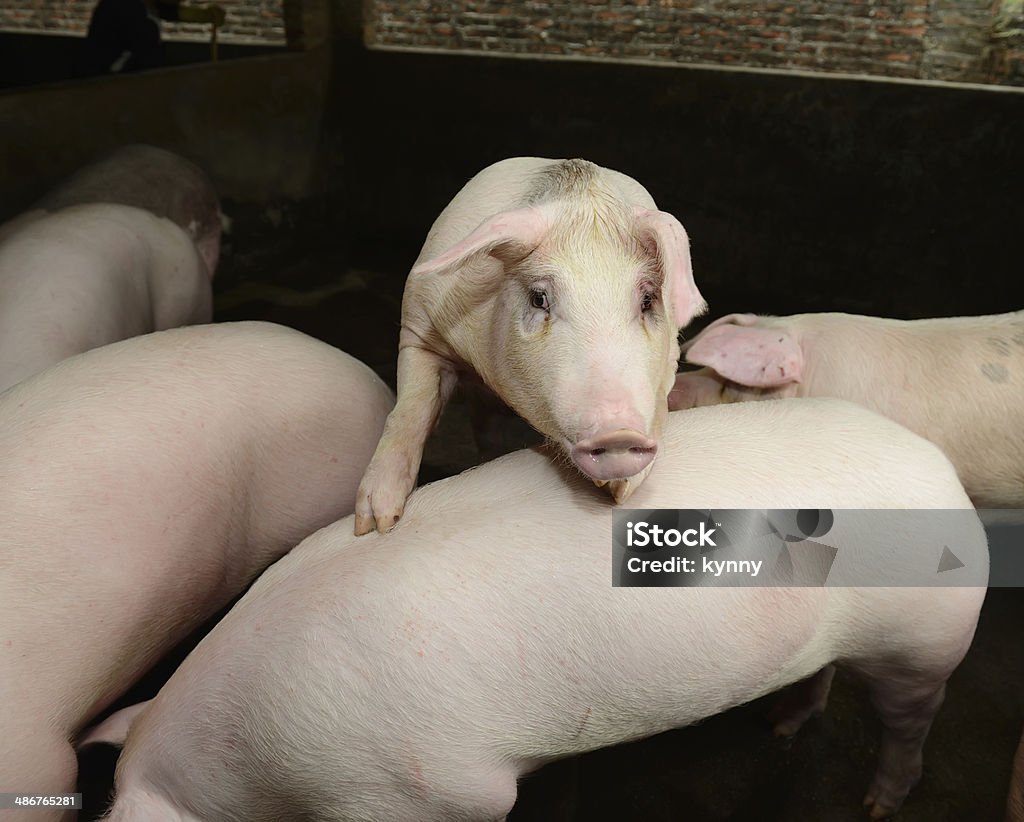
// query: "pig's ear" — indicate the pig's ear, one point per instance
point(508, 236)
point(113, 730)
point(748, 355)
point(673, 250)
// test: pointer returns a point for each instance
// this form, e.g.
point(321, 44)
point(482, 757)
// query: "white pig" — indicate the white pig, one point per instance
point(156, 180)
point(415, 677)
point(142, 486)
point(958, 382)
point(124, 247)
point(560, 286)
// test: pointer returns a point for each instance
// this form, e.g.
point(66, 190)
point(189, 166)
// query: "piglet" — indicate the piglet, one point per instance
point(559, 285)
point(143, 485)
point(124, 247)
point(958, 381)
point(415, 677)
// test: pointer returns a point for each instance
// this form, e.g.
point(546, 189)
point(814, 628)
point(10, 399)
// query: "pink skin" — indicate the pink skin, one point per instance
point(125, 246)
point(145, 484)
point(156, 180)
point(484, 638)
point(614, 454)
point(89, 275)
point(957, 381)
point(566, 305)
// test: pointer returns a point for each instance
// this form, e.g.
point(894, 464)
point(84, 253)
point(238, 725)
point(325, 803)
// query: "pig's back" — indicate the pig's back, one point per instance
point(495, 590)
point(957, 381)
point(146, 482)
point(91, 275)
point(979, 365)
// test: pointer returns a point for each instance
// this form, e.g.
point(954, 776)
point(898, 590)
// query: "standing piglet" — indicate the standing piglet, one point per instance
point(124, 247)
point(560, 286)
point(958, 382)
point(142, 486)
point(416, 677)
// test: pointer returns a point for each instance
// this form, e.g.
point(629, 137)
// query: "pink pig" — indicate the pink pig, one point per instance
point(958, 382)
point(142, 486)
point(126, 246)
point(560, 285)
point(417, 676)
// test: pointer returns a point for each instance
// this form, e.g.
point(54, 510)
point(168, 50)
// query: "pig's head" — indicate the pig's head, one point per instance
point(746, 357)
point(580, 331)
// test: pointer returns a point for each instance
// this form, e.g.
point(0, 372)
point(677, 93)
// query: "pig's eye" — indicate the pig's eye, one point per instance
point(646, 302)
point(539, 299)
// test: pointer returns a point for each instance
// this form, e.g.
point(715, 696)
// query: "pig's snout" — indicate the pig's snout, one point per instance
point(614, 455)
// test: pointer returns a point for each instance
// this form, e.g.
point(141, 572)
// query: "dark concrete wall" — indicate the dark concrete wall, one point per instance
point(799, 192)
point(31, 59)
point(254, 125)
point(257, 126)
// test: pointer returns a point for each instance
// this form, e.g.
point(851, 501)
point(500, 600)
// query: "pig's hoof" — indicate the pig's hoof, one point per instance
point(789, 714)
point(600, 483)
point(364, 524)
point(381, 498)
point(787, 728)
point(369, 518)
point(880, 805)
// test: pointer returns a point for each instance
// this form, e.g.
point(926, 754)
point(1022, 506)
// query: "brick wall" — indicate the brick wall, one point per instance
point(954, 40)
point(248, 21)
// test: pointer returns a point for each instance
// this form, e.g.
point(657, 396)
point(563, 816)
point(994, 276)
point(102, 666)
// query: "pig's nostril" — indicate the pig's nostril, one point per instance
point(614, 455)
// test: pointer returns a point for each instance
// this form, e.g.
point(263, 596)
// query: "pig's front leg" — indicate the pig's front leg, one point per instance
point(425, 382)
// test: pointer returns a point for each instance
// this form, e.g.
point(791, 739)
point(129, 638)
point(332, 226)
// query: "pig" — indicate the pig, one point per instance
point(560, 286)
point(143, 485)
point(416, 676)
point(956, 381)
point(155, 180)
point(126, 246)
